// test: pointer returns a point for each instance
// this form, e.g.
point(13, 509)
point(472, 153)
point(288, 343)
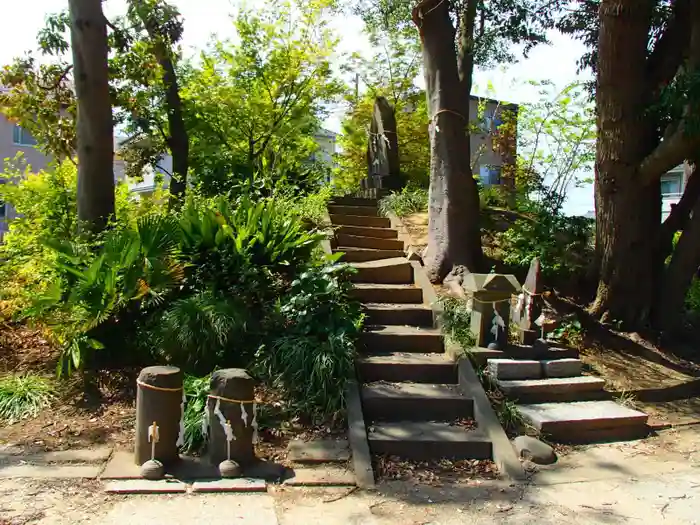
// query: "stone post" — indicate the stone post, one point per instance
point(231, 400)
point(490, 296)
point(159, 400)
point(529, 306)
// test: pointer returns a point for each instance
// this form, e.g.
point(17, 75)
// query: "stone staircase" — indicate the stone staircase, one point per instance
point(410, 397)
point(554, 396)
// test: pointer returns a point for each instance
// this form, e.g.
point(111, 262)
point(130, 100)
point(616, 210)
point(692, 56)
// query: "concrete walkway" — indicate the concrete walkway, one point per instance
point(648, 481)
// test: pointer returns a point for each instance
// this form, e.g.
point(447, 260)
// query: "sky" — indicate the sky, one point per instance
point(204, 18)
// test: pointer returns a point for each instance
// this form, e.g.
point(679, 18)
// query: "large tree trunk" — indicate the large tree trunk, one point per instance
point(628, 212)
point(454, 237)
point(95, 126)
point(178, 141)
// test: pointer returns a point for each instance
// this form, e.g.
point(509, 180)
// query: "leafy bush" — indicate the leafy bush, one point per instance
point(313, 359)
point(47, 211)
point(134, 271)
point(456, 321)
point(24, 396)
point(409, 200)
point(563, 244)
point(196, 391)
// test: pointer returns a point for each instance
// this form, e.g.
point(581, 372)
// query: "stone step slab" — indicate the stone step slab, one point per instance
point(428, 440)
point(360, 220)
point(321, 477)
point(367, 254)
point(353, 201)
point(368, 231)
point(385, 271)
point(359, 241)
point(581, 388)
point(318, 451)
point(339, 209)
point(387, 293)
point(401, 339)
point(145, 486)
point(562, 368)
point(230, 485)
point(514, 369)
point(585, 421)
point(415, 402)
point(399, 314)
point(398, 367)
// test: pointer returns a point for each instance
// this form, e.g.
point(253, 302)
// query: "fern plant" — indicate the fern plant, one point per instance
point(135, 269)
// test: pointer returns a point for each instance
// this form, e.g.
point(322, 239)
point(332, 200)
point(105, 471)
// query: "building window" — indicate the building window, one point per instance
point(21, 137)
point(671, 184)
point(3, 210)
point(490, 121)
point(490, 175)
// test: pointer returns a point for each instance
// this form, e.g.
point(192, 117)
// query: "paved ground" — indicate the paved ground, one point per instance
point(650, 481)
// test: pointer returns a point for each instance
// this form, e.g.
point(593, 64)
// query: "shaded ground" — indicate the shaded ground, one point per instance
point(655, 480)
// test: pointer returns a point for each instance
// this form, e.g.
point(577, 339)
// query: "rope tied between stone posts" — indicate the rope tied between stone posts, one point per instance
point(157, 388)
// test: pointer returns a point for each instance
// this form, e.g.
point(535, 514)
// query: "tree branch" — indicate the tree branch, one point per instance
point(60, 79)
point(672, 48)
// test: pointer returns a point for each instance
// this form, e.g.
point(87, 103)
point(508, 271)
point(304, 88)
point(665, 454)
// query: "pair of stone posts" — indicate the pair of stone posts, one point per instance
point(230, 420)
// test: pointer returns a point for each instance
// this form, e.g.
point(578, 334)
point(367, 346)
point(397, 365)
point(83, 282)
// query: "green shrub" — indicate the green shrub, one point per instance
point(313, 358)
point(196, 391)
point(409, 200)
point(455, 320)
point(24, 396)
point(134, 271)
point(198, 331)
point(46, 204)
point(563, 244)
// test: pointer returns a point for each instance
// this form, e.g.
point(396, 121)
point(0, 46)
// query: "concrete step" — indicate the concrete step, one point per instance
point(384, 271)
point(586, 421)
point(583, 388)
point(360, 220)
point(353, 201)
point(387, 293)
point(529, 369)
point(400, 314)
point(398, 366)
point(357, 241)
point(415, 402)
point(368, 231)
point(367, 254)
point(480, 356)
point(337, 209)
point(428, 440)
point(401, 339)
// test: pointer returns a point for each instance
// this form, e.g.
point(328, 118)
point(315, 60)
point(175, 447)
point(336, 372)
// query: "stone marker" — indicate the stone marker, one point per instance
point(159, 400)
point(231, 401)
point(534, 450)
point(514, 369)
point(489, 295)
point(383, 167)
point(529, 305)
point(562, 368)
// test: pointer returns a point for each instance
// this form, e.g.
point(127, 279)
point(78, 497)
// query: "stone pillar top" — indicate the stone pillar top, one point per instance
point(490, 286)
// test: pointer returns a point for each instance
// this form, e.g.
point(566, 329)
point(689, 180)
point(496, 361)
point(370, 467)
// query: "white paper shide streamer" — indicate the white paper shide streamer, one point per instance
point(254, 424)
point(498, 323)
point(181, 433)
point(222, 420)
